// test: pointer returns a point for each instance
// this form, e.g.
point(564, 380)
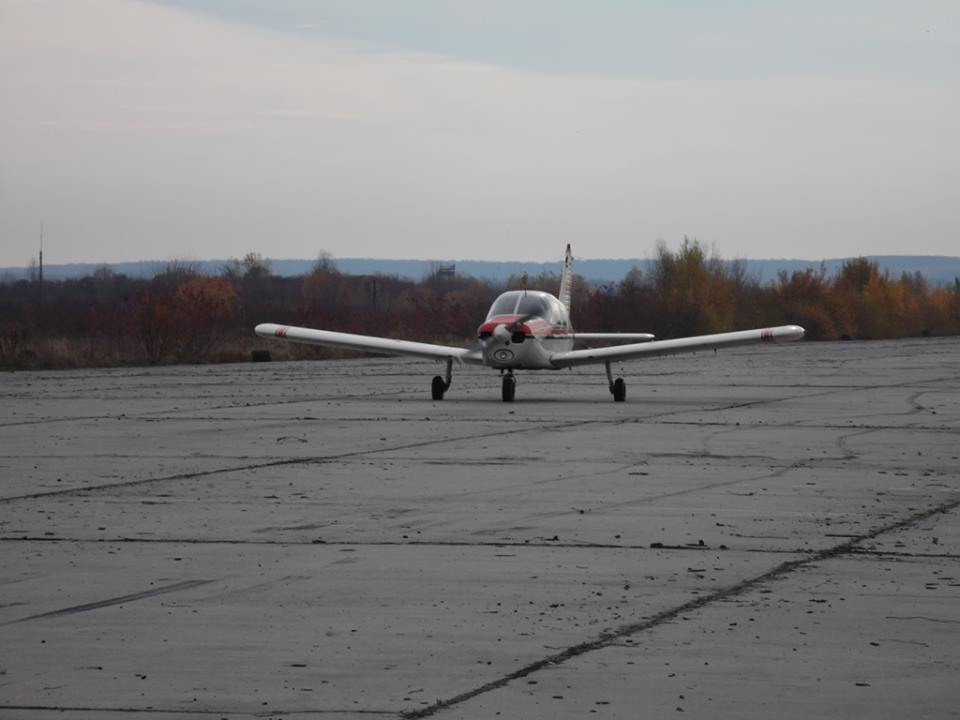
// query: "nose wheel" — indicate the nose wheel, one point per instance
point(508, 387)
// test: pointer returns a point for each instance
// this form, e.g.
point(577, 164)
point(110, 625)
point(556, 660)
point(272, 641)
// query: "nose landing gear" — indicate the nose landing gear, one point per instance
point(508, 387)
point(618, 388)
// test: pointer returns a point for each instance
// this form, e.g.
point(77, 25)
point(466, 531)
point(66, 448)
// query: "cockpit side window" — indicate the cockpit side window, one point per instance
point(557, 314)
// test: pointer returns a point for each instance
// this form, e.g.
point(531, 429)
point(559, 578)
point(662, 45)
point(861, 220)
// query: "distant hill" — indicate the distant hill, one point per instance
point(936, 269)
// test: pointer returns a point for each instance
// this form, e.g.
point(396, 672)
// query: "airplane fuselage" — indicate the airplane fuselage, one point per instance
point(523, 330)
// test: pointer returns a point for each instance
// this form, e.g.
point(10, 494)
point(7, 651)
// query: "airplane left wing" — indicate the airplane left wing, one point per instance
point(783, 333)
point(367, 343)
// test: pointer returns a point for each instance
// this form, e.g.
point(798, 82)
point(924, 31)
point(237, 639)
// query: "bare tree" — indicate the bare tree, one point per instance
point(324, 264)
point(255, 266)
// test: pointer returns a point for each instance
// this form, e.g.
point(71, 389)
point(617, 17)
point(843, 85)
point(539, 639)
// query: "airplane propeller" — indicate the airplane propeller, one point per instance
point(504, 332)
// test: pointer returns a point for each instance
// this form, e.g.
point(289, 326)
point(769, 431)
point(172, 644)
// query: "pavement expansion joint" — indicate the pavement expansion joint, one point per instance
point(187, 712)
point(513, 544)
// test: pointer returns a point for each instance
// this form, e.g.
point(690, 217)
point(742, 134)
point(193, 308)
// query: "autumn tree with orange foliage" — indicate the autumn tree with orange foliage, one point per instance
point(691, 291)
point(204, 307)
point(807, 299)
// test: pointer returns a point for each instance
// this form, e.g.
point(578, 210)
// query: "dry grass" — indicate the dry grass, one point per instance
point(58, 352)
point(64, 352)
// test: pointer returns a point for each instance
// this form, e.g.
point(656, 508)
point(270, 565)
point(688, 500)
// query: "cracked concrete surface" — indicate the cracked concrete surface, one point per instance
point(756, 533)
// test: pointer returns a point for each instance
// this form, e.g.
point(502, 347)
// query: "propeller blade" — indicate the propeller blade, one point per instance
point(520, 321)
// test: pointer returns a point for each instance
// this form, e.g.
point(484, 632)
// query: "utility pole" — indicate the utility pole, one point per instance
point(40, 279)
point(41, 262)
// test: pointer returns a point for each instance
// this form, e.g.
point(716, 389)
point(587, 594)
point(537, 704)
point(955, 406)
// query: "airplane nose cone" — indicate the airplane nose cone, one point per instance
point(501, 333)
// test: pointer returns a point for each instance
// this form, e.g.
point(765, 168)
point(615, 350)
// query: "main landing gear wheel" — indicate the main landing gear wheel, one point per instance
point(441, 384)
point(619, 390)
point(617, 387)
point(509, 388)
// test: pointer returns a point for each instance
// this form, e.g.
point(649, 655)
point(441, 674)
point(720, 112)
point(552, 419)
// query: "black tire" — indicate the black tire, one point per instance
point(508, 389)
point(619, 390)
point(438, 388)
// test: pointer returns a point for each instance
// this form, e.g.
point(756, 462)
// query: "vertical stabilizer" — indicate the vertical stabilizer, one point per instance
point(566, 279)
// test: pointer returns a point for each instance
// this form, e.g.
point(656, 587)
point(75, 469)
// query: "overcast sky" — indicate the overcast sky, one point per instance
point(480, 129)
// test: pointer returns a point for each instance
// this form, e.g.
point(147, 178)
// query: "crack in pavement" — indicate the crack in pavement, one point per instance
point(841, 442)
point(610, 638)
point(804, 425)
point(317, 459)
point(773, 474)
point(358, 453)
point(158, 415)
point(899, 553)
point(164, 590)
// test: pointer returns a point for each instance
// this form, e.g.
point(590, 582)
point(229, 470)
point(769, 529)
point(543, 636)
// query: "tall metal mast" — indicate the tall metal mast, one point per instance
point(41, 264)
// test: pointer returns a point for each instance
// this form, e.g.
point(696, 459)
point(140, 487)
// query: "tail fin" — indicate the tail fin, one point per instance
point(566, 279)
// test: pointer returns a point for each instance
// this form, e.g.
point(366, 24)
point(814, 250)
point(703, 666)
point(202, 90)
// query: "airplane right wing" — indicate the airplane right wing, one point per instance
point(633, 351)
point(368, 343)
point(614, 337)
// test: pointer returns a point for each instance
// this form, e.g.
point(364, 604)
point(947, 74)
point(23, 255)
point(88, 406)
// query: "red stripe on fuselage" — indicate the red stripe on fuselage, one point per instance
point(534, 327)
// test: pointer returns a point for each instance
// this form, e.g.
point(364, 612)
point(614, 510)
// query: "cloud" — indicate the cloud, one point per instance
point(140, 130)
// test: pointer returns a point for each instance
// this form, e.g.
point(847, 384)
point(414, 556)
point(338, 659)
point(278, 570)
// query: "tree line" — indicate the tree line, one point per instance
point(182, 315)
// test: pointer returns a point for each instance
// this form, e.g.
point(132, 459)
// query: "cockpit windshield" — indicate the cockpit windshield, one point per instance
point(532, 305)
point(505, 304)
point(522, 302)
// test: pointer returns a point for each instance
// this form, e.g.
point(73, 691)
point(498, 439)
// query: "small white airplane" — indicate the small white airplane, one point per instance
point(531, 330)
